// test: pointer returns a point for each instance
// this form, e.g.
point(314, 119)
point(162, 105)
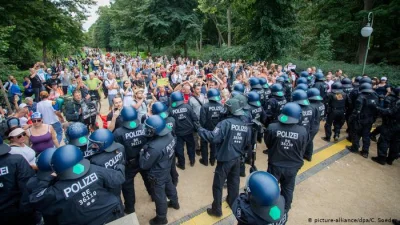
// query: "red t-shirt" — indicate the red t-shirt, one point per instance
point(186, 97)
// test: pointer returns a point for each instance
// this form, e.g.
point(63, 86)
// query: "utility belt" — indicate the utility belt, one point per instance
point(132, 162)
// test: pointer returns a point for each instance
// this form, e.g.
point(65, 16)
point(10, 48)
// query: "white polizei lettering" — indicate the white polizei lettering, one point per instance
point(215, 108)
point(133, 134)
point(81, 184)
point(257, 110)
point(4, 171)
point(181, 110)
point(307, 113)
point(170, 148)
point(285, 134)
point(281, 102)
point(113, 161)
point(239, 128)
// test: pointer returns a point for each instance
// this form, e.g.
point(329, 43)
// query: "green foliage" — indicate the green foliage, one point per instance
point(324, 49)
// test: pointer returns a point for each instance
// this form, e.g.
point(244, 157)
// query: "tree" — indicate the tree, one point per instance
point(324, 47)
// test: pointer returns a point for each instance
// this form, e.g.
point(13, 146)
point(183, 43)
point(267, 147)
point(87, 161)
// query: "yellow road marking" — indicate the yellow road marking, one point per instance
point(204, 219)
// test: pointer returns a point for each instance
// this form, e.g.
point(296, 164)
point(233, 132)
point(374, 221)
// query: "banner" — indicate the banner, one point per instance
point(162, 82)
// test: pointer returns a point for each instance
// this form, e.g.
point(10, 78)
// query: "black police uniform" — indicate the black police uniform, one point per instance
point(352, 99)
point(186, 121)
point(274, 107)
point(286, 144)
point(133, 140)
point(14, 174)
point(388, 102)
point(364, 115)
point(322, 87)
point(319, 107)
point(157, 157)
point(288, 89)
point(262, 94)
point(257, 113)
point(84, 200)
point(336, 103)
point(308, 117)
point(210, 116)
point(245, 216)
point(231, 136)
point(170, 122)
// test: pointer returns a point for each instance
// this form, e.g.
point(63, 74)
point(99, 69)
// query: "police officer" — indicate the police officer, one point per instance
point(210, 116)
point(347, 86)
point(363, 117)
point(275, 103)
point(232, 136)
point(303, 87)
point(256, 86)
point(320, 84)
point(352, 98)
point(337, 101)
point(257, 113)
point(389, 138)
point(156, 157)
point(264, 84)
point(287, 87)
point(186, 123)
point(302, 80)
point(315, 102)
point(261, 203)
point(286, 141)
point(77, 134)
point(158, 108)
point(131, 136)
point(239, 88)
point(309, 113)
point(14, 174)
point(80, 192)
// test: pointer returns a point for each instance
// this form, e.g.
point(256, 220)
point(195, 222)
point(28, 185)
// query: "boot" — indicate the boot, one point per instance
point(182, 167)
point(364, 154)
point(336, 138)
point(327, 139)
point(202, 162)
point(212, 162)
point(173, 205)
point(373, 138)
point(265, 151)
point(350, 148)
point(212, 212)
point(379, 160)
point(389, 161)
point(158, 221)
point(396, 222)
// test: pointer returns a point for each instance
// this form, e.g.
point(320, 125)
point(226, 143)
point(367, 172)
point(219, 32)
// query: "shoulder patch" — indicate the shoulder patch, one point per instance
point(40, 194)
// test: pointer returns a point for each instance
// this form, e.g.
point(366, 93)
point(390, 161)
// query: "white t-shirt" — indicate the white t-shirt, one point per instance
point(47, 111)
point(28, 153)
point(108, 84)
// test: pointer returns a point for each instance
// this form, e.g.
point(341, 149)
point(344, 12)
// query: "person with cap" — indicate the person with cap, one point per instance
point(131, 136)
point(265, 86)
point(261, 203)
point(231, 135)
point(316, 102)
point(337, 102)
point(77, 134)
point(382, 89)
point(156, 157)
point(210, 116)
point(352, 98)
point(363, 116)
point(78, 192)
point(287, 141)
point(159, 108)
point(17, 143)
point(255, 85)
point(186, 123)
point(15, 172)
point(390, 128)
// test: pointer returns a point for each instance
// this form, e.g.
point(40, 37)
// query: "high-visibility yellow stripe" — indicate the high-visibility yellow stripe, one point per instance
point(204, 219)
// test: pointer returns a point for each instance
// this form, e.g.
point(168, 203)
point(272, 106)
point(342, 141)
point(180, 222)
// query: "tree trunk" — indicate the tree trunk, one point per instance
point(229, 19)
point(44, 48)
point(220, 37)
point(362, 46)
point(148, 48)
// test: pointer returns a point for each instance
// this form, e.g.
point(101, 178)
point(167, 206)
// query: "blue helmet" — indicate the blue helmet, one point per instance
point(304, 74)
point(213, 95)
point(177, 99)
point(357, 80)
point(239, 88)
point(264, 196)
point(319, 71)
point(303, 87)
point(280, 80)
point(77, 134)
point(243, 100)
point(300, 97)
point(301, 80)
point(277, 89)
point(291, 113)
point(68, 162)
point(346, 82)
point(254, 82)
point(319, 76)
point(130, 117)
point(159, 108)
point(366, 88)
point(285, 78)
point(337, 87)
point(365, 80)
point(253, 98)
point(263, 82)
point(43, 162)
point(314, 94)
point(101, 140)
point(155, 125)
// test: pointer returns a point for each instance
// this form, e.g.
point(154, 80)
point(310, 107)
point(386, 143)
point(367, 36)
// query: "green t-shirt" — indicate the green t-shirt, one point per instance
point(93, 84)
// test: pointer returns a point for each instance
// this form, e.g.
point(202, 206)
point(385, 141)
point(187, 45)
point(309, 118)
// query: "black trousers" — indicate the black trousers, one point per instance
point(376, 131)
point(174, 173)
point(128, 188)
point(36, 91)
point(204, 150)
point(389, 140)
point(226, 171)
point(336, 118)
point(310, 147)
point(362, 131)
point(163, 188)
point(13, 216)
point(286, 176)
point(189, 139)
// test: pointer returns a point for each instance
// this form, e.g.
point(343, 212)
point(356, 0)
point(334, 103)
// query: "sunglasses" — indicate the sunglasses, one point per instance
point(20, 136)
point(36, 121)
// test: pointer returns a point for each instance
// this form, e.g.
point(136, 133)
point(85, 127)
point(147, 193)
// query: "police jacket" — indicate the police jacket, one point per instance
point(274, 107)
point(353, 97)
point(337, 102)
point(132, 140)
point(210, 114)
point(241, 208)
point(257, 113)
point(392, 116)
point(322, 87)
point(348, 90)
point(231, 135)
point(389, 102)
point(185, 119)
point(170, 122)
point(320, 108)
point(288, 89)
point(85, 200)
point(365, 108)
point(110, 158)
point(157, 155)
point(14, 174)
point(286, 144)
point(308, 116)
